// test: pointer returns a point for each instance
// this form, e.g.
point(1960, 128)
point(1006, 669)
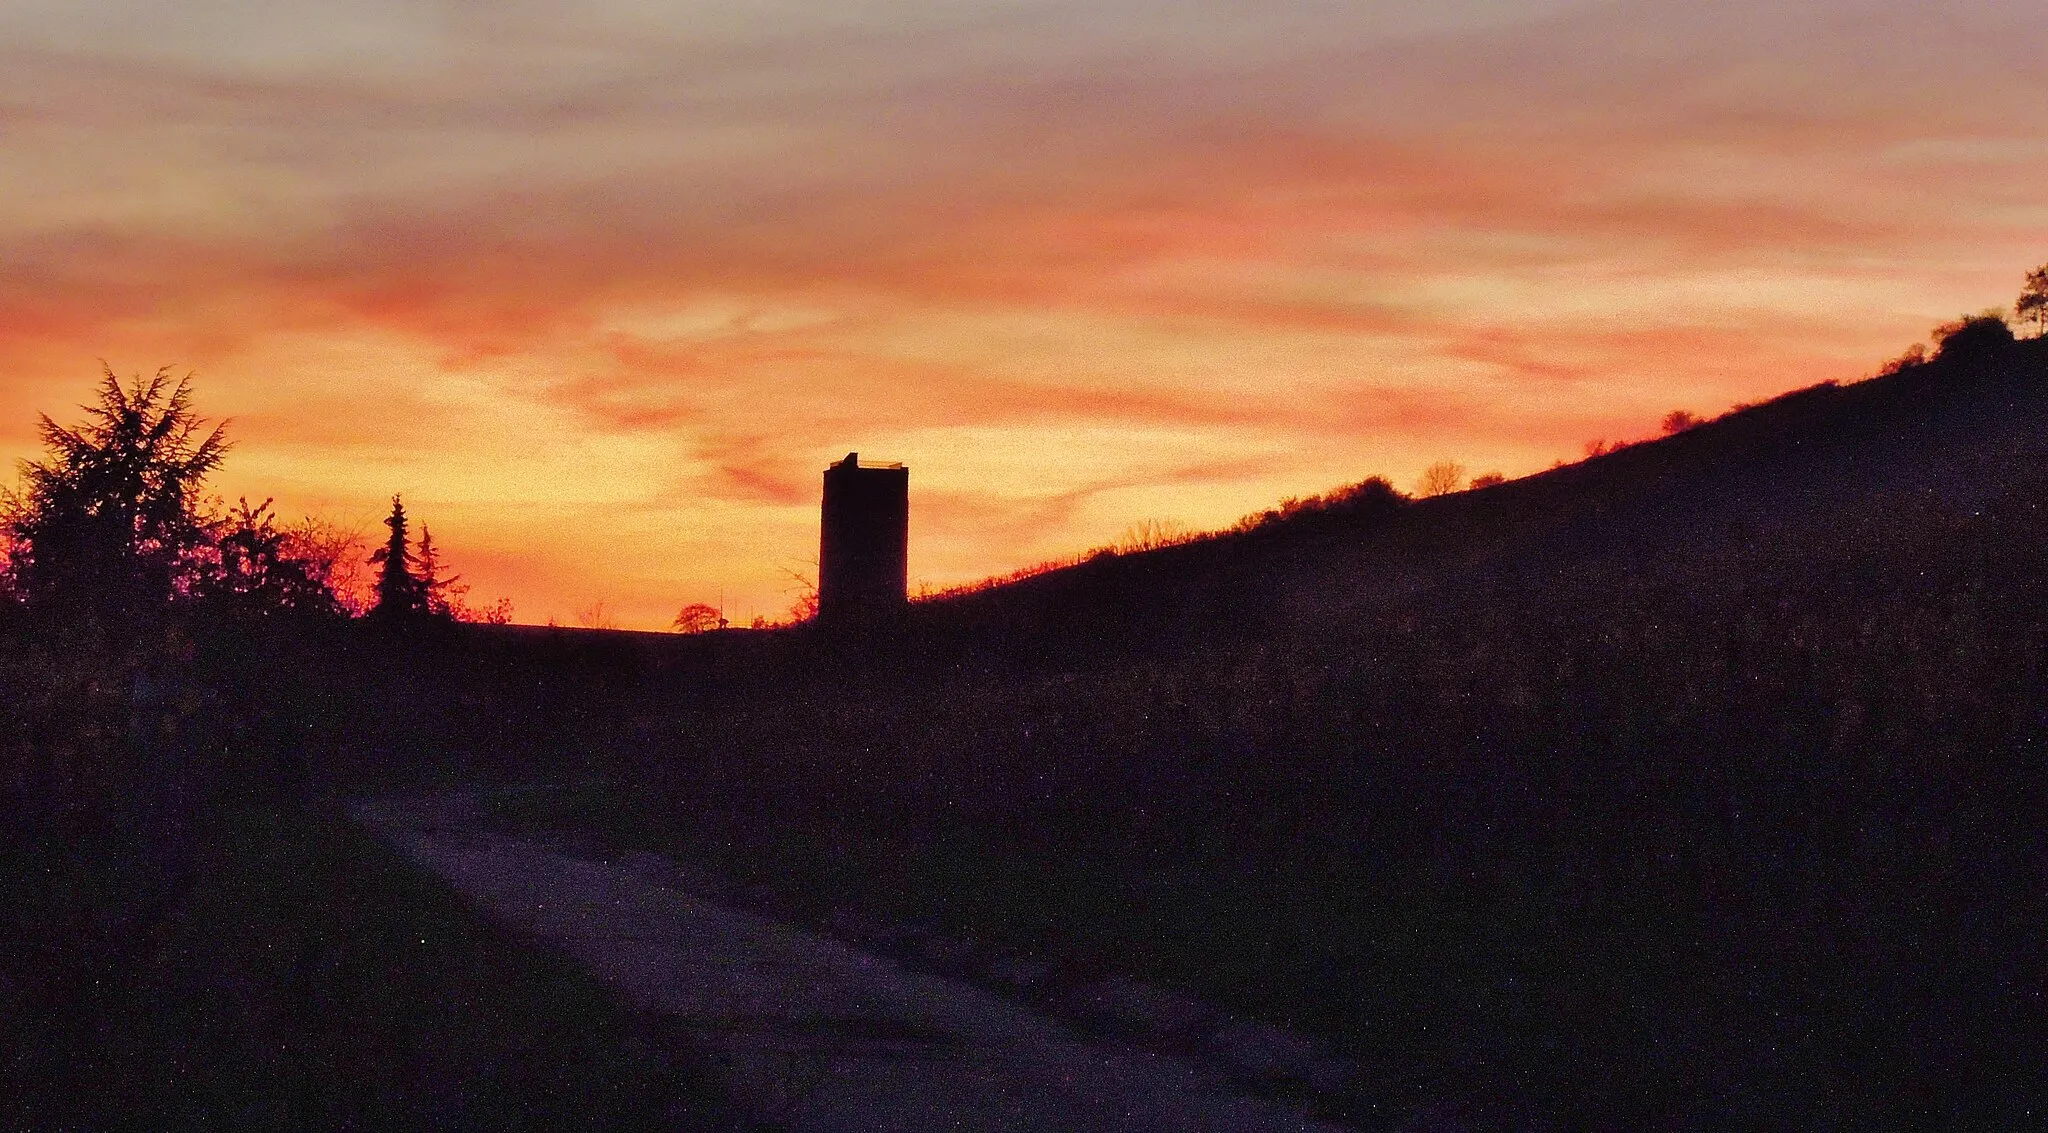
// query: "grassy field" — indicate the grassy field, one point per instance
point(1473, 996)
point(1506, 1003)
point(311, 980)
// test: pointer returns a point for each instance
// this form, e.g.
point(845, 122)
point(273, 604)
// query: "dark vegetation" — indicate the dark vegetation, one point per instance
point(189, 938)
point(1697, 785)
point(309, 980)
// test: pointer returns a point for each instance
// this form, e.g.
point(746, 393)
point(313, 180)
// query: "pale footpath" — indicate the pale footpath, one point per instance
point(808, 1033)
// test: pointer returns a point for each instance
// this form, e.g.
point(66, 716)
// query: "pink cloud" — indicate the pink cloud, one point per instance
point(1318, 238)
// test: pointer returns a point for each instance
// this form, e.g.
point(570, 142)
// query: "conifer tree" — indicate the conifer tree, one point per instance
point(399, 593)
point(111, 517)
point(441, 597)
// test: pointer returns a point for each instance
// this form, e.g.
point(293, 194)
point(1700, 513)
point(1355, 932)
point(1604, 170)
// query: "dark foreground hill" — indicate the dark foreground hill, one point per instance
point(1958, 433)
point(1697, 785)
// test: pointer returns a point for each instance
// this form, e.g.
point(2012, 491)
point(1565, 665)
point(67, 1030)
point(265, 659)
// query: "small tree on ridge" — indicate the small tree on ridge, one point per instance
point(2032, 305)
point(698, 617)
point(399, 593)
point(1441, 479)
point(1678, 421)
point(441, 596)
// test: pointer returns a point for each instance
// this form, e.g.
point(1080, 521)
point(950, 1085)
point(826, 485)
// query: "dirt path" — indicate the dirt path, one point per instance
point(809, 1033)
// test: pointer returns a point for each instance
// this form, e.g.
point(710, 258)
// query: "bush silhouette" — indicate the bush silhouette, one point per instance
point(1678, 421)
point(255, 567)
point(1972, 336)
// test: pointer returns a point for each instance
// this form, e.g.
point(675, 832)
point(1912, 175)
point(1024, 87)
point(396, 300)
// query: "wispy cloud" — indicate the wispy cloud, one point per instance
point(603, 287)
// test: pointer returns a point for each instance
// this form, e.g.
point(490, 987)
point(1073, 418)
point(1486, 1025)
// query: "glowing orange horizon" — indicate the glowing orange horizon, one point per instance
point(604, 314)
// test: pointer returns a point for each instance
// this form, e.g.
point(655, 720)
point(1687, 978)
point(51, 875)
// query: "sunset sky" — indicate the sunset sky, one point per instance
point(602, 287)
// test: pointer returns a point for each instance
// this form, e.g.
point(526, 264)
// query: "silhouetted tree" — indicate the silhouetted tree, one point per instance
point(442, 596)
point(699, 617)
point(1972, 336)
point(1678, 421)
point(1441, 479)
point(110, 517)
point(334, 557)
point(1372, 498)
point(805, 587)
point(1488, 479)
point(2032, 305)
point(596, 616)
point(399, 593)
point(256, 568)
point(1375, 495)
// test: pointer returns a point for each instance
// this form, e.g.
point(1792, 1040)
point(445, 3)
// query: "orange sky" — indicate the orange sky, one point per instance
point(602, 287)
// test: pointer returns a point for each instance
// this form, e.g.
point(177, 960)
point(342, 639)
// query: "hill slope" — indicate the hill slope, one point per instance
point(1701, 782)
point(1957, 432)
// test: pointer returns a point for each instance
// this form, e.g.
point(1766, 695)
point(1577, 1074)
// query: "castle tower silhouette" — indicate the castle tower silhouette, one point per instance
point(863, 541)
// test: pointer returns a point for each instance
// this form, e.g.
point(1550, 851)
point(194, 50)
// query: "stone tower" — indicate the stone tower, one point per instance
point(863, 541)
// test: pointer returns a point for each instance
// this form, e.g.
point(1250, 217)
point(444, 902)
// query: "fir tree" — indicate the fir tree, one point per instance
point(441, 597)
point(111, 518)
point(399, 592)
